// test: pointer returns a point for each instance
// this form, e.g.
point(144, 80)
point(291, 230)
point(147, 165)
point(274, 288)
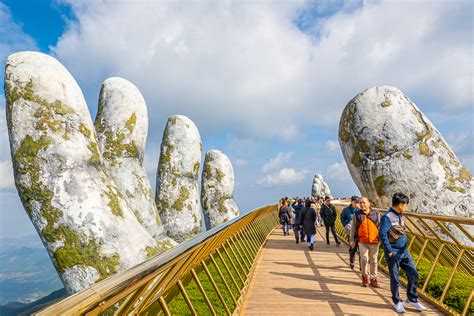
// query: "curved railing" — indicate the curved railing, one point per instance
point(206, 275)
point(444, 262)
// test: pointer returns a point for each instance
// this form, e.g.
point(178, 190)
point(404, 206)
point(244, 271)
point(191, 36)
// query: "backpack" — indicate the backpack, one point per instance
point(367, 228)
point(284, 218)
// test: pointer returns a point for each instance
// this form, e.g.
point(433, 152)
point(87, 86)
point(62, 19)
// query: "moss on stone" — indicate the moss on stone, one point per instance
point(116, 146)
point(174, 182)
point(464, 174)
point(219, 175)
point(385, 103)
point(84, 130)
point(131, 122)
point(173, 120)
point(114, 202)
point(179, 203)
point(406, 154)
point(221, 204)
point(356, 160)
point(78, 251)
point(425, 150)
point(379, 148)
point(379, 184)
point(207, 171)
point(196, 169)
point(66, 136)
point(95, 157)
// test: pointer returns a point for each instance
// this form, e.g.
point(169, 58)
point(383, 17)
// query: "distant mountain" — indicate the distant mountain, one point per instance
point(19, 309)
point(26, 271)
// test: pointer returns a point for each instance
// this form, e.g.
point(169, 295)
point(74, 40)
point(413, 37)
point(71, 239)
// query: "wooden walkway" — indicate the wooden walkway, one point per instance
point(289, 279)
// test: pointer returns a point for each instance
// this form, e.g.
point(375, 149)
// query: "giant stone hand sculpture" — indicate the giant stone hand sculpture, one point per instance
point(217, 192)
point(389, 145)
point(85, 188)
point(320, 187)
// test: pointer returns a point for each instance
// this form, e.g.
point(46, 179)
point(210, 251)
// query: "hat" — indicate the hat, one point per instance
point(355, 198)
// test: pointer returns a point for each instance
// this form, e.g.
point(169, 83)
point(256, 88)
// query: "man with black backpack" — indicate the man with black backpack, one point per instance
point(394, 240)
point(285, 217)
point(297, 228)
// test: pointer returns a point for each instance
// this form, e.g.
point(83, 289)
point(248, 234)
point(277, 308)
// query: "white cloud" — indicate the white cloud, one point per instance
point(12, 37)
point(277, 162)
point(240, 162)
point(6, 180)
point(338, 171)
point(285, 176)
point(256, 72)
point(332, 145)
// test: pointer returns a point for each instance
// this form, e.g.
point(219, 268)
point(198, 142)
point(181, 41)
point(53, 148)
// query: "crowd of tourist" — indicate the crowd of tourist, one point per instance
point(365, 228)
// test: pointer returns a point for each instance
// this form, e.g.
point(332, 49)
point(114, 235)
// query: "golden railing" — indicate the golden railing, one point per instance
point(442, 259)
point(206, 275)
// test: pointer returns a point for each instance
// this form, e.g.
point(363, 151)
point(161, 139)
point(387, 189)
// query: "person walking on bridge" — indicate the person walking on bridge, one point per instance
point(308, 220)
point(346, 220)
point(285, 217)
point(297, 227)
point(393, 236)
point(329, 215)
point(365, 231)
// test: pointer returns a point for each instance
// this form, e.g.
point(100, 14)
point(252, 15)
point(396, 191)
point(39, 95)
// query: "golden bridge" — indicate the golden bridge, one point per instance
point(247, 267)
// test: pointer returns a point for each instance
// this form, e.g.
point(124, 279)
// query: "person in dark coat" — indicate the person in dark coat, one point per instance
point(297, 227)
point(308, 220)
point(329, 215)
point(285, 217)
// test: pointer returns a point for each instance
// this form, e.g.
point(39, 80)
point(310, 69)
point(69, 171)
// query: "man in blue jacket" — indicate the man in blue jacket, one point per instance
point(392, 234)
point(346, 219)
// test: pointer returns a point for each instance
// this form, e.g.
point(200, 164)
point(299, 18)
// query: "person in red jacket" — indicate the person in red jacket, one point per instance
point(365, 231)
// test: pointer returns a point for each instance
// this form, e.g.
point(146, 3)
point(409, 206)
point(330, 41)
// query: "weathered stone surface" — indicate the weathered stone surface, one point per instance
point(389, 145)
point(319, 187)
point(77, 209)
point(122, 126)
point(177, 194)
point(217, 189)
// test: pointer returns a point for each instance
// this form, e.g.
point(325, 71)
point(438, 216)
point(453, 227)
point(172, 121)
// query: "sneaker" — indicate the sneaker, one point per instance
point(311, 247)
point(338, 243)
point(297, 241)
point(399, 307)
point(365, 281)
point(417, 305)
point(374, 283)
point(352, 266)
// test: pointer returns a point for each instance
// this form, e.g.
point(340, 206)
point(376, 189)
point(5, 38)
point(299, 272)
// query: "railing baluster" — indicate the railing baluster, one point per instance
point(164, 306)
point(433, 267)
point(223, 278)
point(451, 276)
point(468, 303)
point(186, 297)
point(203, 292)
point(214, 285)
point(420, 255)
point(234, 265)
point(226, 267)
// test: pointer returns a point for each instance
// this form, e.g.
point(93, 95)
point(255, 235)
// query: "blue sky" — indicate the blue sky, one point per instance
point(264, 82)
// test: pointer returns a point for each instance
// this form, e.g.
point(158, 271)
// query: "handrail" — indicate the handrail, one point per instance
point(435, 248)
point(187, 272)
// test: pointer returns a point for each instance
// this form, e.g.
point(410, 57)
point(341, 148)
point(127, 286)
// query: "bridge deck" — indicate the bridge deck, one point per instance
point(290, 279)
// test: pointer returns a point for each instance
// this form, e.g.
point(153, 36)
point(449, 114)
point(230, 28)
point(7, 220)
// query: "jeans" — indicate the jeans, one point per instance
point(352, 253)
point(403, 260)
point(310, 239)
point(286, 228)
point(333, 230)
point(298, 232)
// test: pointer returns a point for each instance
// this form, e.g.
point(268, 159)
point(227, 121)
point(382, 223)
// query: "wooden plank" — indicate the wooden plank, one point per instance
point(292, 280)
